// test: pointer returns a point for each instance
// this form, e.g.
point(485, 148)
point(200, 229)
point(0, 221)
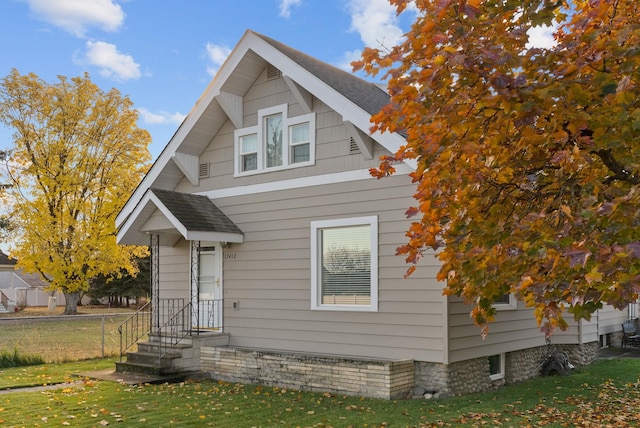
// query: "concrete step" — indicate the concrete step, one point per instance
point(151, 358)
point(144, 369)
point(154, 348)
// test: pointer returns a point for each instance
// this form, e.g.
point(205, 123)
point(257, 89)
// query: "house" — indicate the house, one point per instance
point(20, 289)
point(273, 248)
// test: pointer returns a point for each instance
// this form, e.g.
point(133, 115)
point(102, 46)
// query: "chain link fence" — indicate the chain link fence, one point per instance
point(63, 338)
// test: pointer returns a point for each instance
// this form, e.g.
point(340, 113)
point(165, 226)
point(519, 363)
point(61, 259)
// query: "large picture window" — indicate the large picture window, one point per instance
point(276, 142)
point(344, 264)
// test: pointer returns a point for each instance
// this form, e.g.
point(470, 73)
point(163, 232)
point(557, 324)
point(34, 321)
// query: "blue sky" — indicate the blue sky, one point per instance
point(162, 53)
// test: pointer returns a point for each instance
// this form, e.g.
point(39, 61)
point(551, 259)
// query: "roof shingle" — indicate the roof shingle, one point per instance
point(196, 212)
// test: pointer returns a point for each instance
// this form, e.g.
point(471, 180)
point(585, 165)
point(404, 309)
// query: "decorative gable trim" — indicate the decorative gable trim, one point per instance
point(304, 98)
point(232, 106)
point(189, 166)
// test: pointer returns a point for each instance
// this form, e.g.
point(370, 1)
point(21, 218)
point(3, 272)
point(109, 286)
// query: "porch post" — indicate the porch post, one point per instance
point(195, 286)
point(154, 247)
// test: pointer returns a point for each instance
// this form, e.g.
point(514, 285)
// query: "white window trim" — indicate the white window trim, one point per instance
point(511, 306)
point(258, 129)
point(316, 226)
point(499, 375)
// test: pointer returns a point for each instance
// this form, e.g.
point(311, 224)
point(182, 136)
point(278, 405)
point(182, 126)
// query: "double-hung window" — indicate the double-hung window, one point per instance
point(276, 142)
point(344, 264)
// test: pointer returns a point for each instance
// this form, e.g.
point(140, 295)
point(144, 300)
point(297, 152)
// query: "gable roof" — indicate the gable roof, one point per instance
point(196, 212)
point(353, 98)
point(366, 95)
point(5, 260)
point(192, 217)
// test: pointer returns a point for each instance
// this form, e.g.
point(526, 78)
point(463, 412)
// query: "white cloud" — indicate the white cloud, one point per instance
point(160, 118)
point(217, 55)
point(376, 22)
point(541, 37)
point(347, 58)
point(285, 7)
point(112, 64)
point(76, 16)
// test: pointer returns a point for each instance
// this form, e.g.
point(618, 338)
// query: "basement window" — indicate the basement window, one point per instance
point(496, 366)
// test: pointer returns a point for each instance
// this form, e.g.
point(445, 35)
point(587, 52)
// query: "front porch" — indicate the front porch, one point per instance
point(169, 338)
point(186, 234)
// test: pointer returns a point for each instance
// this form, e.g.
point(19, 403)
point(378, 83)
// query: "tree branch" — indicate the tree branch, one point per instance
point(618, 169)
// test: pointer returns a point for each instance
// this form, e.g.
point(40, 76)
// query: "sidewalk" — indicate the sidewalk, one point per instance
point(614, 352)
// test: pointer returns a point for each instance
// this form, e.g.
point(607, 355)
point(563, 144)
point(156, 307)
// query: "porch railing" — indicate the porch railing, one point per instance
point(174, 330)
point(135, 328)
point(172, 321)
point(4, 300)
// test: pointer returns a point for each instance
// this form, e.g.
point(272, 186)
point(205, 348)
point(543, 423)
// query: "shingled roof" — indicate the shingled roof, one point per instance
point(366, 95)
point(5, 260)
point(196, 212)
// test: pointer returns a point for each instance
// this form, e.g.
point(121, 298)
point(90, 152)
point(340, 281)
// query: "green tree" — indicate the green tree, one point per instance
point(121, 287)
point(528, 159)
point(77, 155)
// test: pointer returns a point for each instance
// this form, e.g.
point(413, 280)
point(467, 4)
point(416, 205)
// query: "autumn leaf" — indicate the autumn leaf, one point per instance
point(528, 158)
point(77, 155)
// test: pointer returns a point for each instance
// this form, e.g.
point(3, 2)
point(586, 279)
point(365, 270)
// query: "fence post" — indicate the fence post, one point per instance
point(102, 335)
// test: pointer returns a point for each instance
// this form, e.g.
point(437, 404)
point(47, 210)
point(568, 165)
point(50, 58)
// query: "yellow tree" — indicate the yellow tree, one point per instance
point(77, 155)
point(528, 177)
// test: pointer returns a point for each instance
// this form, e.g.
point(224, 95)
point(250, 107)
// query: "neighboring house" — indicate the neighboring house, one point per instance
point(274, 244)
point(20, 289)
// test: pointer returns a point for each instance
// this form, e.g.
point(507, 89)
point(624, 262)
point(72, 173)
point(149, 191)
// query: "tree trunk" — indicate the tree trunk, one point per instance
point(71, 304)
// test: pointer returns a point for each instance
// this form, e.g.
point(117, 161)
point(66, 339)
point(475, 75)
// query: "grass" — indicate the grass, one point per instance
point(15, 359)
point(48, 374)
point(603, 394)
point(57, 338)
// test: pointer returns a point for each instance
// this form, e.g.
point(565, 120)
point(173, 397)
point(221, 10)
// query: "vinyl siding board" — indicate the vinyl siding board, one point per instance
point(174, 271)
point(512, 330)
point(610, 319)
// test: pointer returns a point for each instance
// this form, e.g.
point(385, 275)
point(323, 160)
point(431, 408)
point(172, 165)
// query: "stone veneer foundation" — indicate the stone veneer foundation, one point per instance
point(466, 377)
point(349, 376)
point(377, 378)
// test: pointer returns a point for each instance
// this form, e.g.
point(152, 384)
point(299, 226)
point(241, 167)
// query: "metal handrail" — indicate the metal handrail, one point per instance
point(134, 328)
point(174, 330)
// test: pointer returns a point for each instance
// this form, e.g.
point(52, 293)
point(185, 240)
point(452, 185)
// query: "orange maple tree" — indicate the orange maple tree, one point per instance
point(528, 159)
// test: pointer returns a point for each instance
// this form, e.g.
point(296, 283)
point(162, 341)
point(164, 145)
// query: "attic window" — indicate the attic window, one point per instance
point(272, 72)
point(204, 170)
point(276, 142)
point(353, 146)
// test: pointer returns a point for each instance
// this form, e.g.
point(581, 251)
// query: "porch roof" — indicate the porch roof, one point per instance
point(173, 215)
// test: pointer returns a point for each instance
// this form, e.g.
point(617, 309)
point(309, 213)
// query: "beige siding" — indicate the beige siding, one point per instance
point(268, 276)
point(610, 319)
point(512, 330)
point(174, 271)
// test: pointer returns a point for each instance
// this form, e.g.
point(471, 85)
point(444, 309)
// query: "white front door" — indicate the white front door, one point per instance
point(209, 295)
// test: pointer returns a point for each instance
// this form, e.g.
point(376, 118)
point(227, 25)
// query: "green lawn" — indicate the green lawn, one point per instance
point(604, 394)
point(62, 338)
